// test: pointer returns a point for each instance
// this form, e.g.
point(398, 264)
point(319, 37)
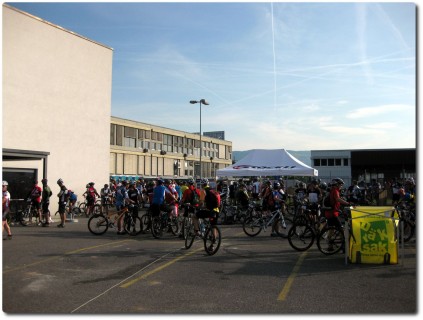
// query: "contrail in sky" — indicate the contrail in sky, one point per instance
point(274, 59)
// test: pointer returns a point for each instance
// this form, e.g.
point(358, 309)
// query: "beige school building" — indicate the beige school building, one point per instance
point(57, 122)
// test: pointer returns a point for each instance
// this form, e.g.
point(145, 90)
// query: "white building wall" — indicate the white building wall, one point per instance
point(327, 173)
point(56, 98)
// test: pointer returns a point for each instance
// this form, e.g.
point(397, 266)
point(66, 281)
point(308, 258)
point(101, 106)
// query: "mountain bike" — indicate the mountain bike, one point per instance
point(164, 221)
point(210, 234)
point(98, 224)
point(253, 225)
point(305, 229)
point(331, 239)
point(407, 216)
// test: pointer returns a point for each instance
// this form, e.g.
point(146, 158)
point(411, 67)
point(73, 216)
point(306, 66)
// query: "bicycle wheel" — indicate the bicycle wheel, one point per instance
point(252, 226)
point(330, 240)
point(186, 225)
point(146, 222)
point(76, 211)
point(83, 207)
point(408, 231)
point(282, 227)
point(156, 227)
point(133, 225)
point(173, 225)
point(189, 240)
point(212, 240)
point(98, 224)
point(301, 237)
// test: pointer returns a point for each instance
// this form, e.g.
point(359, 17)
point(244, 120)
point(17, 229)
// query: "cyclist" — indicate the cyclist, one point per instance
point(158, 201)
point(172, 198)
point(63, 196)
point(6, 208)
point(122, 199)
point(91, 194)
point(336, 201)
point(35, 196)
point(134, 194)
point(191, 200)
point(72, 201)
point(279, 198)
point(206, 210)
point(105, 194)
point(45, 202)
point(242, 197)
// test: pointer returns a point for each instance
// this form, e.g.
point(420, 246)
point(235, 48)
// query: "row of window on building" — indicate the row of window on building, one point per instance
point(152, 140)
point(331, 162)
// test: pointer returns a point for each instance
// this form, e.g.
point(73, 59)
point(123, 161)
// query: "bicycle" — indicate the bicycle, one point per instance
point(407, 216)
point(146, 221)
point(162, 222)
point(98, 224)
point(29, 212)
point(15, 213)
point(305, 230)
point(210, 234)
point(76, 211)
point(331, 239)
point(253, 225)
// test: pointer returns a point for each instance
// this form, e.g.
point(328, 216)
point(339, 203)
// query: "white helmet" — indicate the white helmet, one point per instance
point(5, 183)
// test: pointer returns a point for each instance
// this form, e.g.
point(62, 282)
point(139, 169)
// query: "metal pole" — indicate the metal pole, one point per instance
point(201, 147)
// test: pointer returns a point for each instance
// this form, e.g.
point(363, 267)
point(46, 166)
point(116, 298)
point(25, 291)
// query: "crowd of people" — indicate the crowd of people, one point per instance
point(169, 195)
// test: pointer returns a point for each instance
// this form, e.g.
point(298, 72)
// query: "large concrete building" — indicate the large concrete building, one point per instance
point(56, 105)
point(145, 150)
point(57, 119)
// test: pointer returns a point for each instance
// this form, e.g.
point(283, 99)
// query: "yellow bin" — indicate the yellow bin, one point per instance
point(374, 237)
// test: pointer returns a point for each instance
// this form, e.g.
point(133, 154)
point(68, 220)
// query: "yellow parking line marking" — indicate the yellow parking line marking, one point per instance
point(285, 290)
point(62, 255)
point(146, 275)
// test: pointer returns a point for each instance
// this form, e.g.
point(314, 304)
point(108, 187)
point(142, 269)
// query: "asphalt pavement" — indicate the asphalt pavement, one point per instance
point(71, 271)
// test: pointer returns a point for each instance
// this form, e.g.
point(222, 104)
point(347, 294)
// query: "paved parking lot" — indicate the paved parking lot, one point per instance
point(63, 271)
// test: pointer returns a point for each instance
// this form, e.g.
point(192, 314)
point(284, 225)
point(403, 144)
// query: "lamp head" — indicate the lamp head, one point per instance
point(203, 101)
point(193, 101)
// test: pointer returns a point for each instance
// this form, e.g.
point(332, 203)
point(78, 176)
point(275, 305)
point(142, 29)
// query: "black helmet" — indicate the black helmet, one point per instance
point(337, 181)
point(276, 185)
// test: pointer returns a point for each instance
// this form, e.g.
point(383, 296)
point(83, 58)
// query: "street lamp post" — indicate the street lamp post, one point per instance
point(202, 101)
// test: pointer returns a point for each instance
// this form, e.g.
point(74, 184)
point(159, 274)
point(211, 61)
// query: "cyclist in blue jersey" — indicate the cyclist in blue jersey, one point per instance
point(122, 199)
point(158, 202)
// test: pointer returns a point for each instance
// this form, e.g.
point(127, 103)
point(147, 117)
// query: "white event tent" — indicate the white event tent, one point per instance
point(261, 162)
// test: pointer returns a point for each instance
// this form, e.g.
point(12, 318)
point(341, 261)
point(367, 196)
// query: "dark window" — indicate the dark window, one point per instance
point(316, 162)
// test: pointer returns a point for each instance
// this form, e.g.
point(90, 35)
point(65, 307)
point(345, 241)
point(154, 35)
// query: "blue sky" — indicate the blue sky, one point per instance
point(299, 76)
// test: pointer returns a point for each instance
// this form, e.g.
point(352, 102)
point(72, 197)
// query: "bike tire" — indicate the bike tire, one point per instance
point(98, 224)
point(173, 225)
point(301, 237)
point(189, 240)
point(156, 227)
point(252, 226)
point(325, 241)
point(82, 207)
point(212, 242)
point(133, 225)
point(408, 231)
point(146, 222)
point(282, 230)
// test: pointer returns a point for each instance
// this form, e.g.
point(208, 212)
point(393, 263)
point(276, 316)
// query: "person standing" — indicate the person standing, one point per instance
point(106, 194)
point(45, 202)
point(63, 196)
point(35, 196)
point(6, 209)
point(92, 195)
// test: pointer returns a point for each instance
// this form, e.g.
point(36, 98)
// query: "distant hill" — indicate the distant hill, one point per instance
point(303, 156)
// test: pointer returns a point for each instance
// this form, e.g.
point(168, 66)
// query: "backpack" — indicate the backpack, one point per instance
point(195, 199)
point(327, 202)
point(73, 196)
point(212, 199)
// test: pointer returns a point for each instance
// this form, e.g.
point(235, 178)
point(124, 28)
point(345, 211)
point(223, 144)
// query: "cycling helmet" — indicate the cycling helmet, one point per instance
point(323, 185)
point(44, 180)
point(60, 181)
point(5, 183)
point(302, 185)
point(91, 183)
point(204, 181)
point(190, 181)
point(160, 181)
point(276, 185)
point(337, 181)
